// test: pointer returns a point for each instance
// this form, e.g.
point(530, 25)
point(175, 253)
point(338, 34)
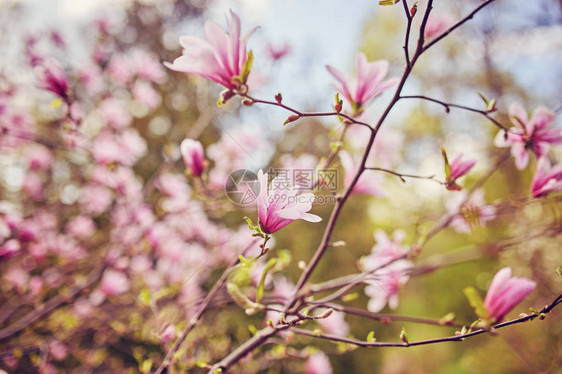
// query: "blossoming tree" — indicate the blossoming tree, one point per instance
point(134, 236)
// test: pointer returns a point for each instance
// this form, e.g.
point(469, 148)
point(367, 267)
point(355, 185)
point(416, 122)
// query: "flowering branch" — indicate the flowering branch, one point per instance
point(299, 114)
point(361, 343)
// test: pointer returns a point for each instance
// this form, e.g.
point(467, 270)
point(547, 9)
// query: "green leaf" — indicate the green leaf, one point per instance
point(447, 165)
point(484, 99)
point(259, 290)
point(476, 302)
point(371, 337)
point(239, 298)
point(403, 335)
point(388, 2)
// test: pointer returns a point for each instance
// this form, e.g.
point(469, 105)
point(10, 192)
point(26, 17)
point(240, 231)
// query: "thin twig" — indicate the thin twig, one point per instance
point(447, 107)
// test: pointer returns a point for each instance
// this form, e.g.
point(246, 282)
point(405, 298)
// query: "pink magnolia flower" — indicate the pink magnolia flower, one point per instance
point(369, 182)
point(534, 134)
point(385, 284)
point(386, 249)
point(318, 363)
point(547, 179)
point(53, 78)
point(459, 167)
point(505, 293)
point(470, 213)
point(193, 156)
point(370, 81)
point(280, 204)
point(220, 58)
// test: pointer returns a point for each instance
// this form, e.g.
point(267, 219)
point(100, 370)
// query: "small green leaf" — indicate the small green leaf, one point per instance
point(259, 290)
point(476, 302)
point(388, 2)
point(447, 165)
point(447, 319)
point(371, 337)
point(403, 335)
point(241, 299)
point(484, 99)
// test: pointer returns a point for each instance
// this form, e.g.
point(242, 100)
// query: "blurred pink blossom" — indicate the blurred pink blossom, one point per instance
point(38, 157)
point(279, 204)
point(384, 285)
point(114, 113)
point(81, 227)
point(147, 66)
point(58, 350)
point(369, 182)
point(386, 249)
point(119, 69)
point(277, 52)
point(547, 178)
point(52, 78)
point(33, 186)
point(436, 25)
point(193, 156)
point(146, 95)
point(95, 199)
point(370, 81)
point(318, 363)
point(334, 324)
point(471, 213)
point(168, 334)
point(505, 293)
point(220, 58)
point(9, 248)
point(114, 283)
point(529, 135)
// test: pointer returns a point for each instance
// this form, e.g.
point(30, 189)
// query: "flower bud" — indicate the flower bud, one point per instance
point(278, 98)
point(193, 156)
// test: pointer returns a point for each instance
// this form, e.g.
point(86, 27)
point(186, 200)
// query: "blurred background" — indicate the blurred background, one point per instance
point(98, 220)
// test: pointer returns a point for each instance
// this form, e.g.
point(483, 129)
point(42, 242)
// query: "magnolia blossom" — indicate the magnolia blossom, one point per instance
point(535, 134)
point(370, 81)
point(369, 182)
point(220, 58)
point(547, 179)
point(280, 204)
point(318, 363)
point(53, 78)
point(386, 249)
point(277, 52)
point(193, 156)
point(458, 167)
point(384, 285)
point(505, 293)
point(470, 213)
